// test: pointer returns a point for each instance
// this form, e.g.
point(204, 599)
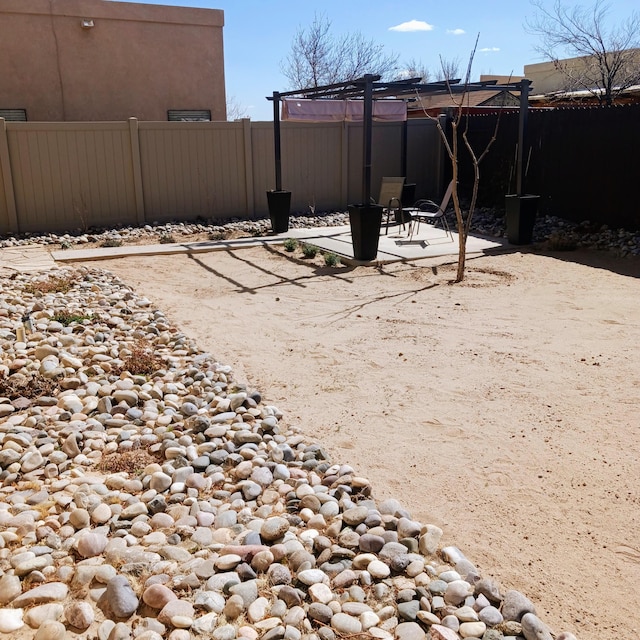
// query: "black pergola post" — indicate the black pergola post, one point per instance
point(276, 139)
point(368, 135)
point(522, 136)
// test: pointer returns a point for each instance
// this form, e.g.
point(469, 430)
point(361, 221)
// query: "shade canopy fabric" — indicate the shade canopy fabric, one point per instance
point(325, 110)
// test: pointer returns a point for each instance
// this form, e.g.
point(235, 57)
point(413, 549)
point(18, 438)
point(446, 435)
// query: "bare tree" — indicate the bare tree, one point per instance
point(449, 69)
point(452, 148)
point(414, 69)
point(319, 58)
point(608, 57)
point(235, 111)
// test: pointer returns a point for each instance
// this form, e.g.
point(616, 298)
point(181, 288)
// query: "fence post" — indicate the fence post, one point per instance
point(344, 168)
point(7, 179)
point(248, 167)
point(137, 171)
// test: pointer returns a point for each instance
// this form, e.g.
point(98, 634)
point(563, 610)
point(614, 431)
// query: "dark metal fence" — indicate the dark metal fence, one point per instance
point(583, 162)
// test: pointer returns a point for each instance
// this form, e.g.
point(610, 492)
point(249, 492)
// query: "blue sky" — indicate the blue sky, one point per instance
point(258, 36)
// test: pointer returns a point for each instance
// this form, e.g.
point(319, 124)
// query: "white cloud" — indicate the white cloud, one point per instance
point(412, 25)
point(456, 32)
point(489, 49)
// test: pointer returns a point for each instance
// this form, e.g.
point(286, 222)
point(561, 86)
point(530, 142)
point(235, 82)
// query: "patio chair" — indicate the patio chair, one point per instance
point(430, 212)
point(390, 199)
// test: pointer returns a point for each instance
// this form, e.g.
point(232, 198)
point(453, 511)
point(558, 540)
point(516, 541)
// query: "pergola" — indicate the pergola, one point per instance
point(369, 88)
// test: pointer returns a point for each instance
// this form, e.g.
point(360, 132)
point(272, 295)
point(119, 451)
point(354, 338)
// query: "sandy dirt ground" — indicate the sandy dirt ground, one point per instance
point(503, 409)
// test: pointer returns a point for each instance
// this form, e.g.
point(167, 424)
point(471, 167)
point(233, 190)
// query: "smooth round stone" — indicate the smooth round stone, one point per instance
point(227, 562)
point(121, 598)
point(32, 461)
point(262, 560)
point(35, 616)
point(312, 576)
point(457, 591)
point(516, 605)
point(176, 609)
point(80, 615)
point(160, 481)
point(490, 616)
point(51, 630)
point(158, 595)
point(205, 624)
point(11, 620)
point(10, 587)
point(91, 544)
point(490, 589)
point(466, 614)
point(534, 629)
point(320, 592)
point(440, 632)
point(427, 617)
point(320, 612)
point(279, 574)
point(355, 516)
point(429, 541)
point(378, 569)
point(101, 514)
point(225, 632)
point(49, 592)
point(79, 518)
point(475, 630)
point(346, 624)
point(273, 528)
point(262, 475)
point(410, 631)
point(258, 609)
point(369, 543)
point(234, 607)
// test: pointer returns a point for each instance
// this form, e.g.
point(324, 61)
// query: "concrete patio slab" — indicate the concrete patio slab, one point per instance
point(396, 246)
point(25, 259)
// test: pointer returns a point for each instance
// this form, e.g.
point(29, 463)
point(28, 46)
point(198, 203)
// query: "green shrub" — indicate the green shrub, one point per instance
point(111, 242)
point(331, 259)
point(290, 244)
point(309, 251)
point(68, 317)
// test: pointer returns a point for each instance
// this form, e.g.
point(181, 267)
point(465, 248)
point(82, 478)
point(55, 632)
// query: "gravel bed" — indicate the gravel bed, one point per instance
point(554, 232)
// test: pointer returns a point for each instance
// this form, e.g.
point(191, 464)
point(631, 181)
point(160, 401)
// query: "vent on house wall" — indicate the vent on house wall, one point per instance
point(189, 115)
point(14, 115)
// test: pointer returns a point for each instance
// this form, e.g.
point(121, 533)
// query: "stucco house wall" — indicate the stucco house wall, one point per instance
point(84, 60)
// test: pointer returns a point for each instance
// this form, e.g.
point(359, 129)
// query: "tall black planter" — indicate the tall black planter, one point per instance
point(520, 217)
point(279, 205)
point(365, 221)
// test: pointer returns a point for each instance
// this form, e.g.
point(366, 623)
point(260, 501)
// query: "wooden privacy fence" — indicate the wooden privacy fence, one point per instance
point(78, 175)
point(582, 161)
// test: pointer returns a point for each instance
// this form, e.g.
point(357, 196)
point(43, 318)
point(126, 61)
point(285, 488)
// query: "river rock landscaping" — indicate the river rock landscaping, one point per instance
point(146, 493)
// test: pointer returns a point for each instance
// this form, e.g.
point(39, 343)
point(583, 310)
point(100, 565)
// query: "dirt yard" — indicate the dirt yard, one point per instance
point(503, 409)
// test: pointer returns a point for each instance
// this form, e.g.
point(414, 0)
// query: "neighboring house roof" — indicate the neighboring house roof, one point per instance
point(584, 97)
point(434, 105)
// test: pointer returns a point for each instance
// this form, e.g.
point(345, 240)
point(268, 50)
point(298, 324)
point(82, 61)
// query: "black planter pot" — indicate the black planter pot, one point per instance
point(279, 205)
point(520, 217)
point(365, 221)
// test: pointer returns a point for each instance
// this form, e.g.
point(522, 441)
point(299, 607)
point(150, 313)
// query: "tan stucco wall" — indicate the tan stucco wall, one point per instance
point(136, 61)
point(547, 78)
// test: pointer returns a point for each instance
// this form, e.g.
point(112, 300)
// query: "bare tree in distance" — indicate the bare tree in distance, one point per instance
point(452, 148)
point(235, 111)
point(318, 57)
point(609, 59)
point(415, 69)
point(449, 69)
